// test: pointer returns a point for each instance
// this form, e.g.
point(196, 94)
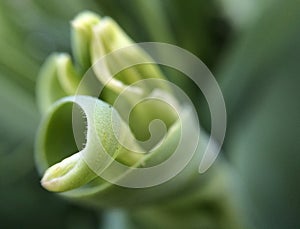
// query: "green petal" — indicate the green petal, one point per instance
point(55, 142)
point(109, 37)
point(81, 38)
point(67, 75)
point(48, 86)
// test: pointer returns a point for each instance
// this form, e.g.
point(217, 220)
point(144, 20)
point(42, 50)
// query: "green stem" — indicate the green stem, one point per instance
point(209, 205)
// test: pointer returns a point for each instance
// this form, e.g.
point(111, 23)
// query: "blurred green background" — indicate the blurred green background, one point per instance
point(253, 49)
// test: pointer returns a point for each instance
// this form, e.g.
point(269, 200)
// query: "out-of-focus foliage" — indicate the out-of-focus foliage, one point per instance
point(261, 85)
point(243, 14)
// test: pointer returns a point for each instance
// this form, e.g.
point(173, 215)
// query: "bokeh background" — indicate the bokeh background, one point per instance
point(251, 46)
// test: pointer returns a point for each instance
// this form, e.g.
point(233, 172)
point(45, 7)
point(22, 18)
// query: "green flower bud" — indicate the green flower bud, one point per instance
point(89, 150)
point(65, 164)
